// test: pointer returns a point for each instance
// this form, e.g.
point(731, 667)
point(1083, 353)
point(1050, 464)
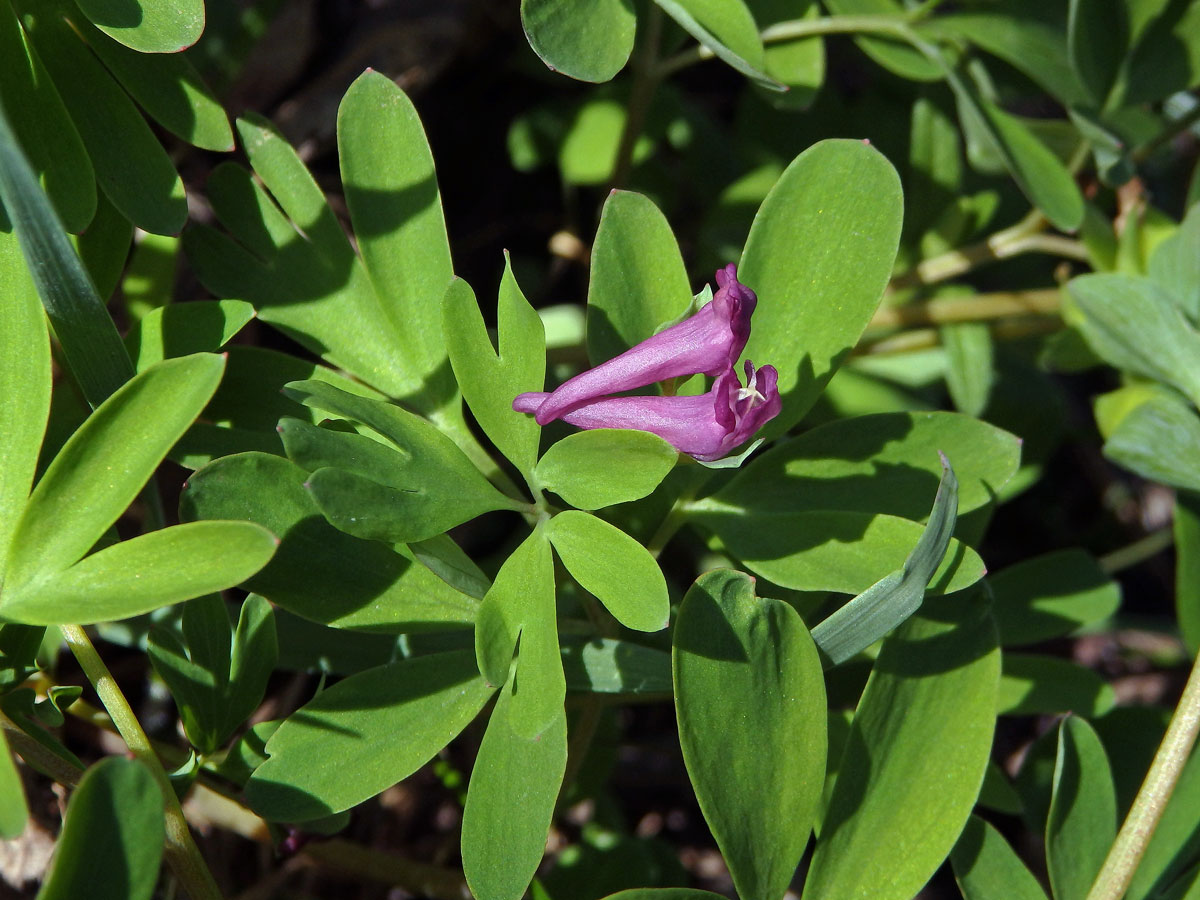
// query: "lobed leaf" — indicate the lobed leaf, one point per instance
point(318, 572)
point(139, 575)
point(25, 378)
point(510, 803)
point(521, 606)
point(489, 381)
point(364, 734)
point(392, 195)
point(42, 127)
point(131, 166)
point(605, 466)
point(104, 465)
point(614, 567)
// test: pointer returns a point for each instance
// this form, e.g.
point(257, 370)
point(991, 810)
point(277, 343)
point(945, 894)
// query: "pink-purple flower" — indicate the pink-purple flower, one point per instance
point(706, 427)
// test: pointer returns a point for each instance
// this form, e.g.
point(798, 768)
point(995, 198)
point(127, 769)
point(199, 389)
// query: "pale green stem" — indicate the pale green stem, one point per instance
point(1139, 551)
point(794, 30)
point(641, 93)
point(1127, 850)
point(1023, 237)
point(182, 854)
point(978, 308)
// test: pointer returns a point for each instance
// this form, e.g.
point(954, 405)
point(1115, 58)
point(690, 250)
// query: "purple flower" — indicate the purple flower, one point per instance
point(710, 342)
point(707, 427)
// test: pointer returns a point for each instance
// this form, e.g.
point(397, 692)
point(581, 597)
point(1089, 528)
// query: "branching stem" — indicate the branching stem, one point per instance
point(182, 854)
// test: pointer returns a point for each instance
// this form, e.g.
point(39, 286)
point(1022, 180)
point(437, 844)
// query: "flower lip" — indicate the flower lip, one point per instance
point(706, 427)
point(708, 342)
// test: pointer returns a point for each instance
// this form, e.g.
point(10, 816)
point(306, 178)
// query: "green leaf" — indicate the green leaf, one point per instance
point(428, 487)
point(168, 87)
point(521, 604)
point(1036, 685)
point(13, 809)
point(318, 572)
point(1082, 823)
point(191, 685)
point(593, 469)
point(112, 838)
point(748, 685)
point(607, 666)
point(800, 65)
point(25, 378)
point(142, 574)
point(727, 28)
point(888, 602)
point(489, 381)
point(1032, 44)
point(184, 328)
point(585, 39)
point(834, 550)
point(364, 734)
point(819, 255)
point(81, 323)
point(1175, 264)
point(42, 127)
point(104, 465)
point(250, 402)
point(897, 807)
point(1158, 440)
point(638, 282)
point(1097, 39)
point(1136, 325)
point(986, 867)
point(132, 167)
point(255, 652)
point(886, 462)
point(104, 247)
point(148, 26)
point(295, 265)
point(1165, 57)
point(1051, 595)
point(614, 567)
point(969, 372)
point(510, 803)
point(1186, 526)
point(895, 56)
point(392, 194)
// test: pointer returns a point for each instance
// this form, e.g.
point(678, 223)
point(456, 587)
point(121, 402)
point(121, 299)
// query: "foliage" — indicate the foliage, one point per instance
point(364, 505)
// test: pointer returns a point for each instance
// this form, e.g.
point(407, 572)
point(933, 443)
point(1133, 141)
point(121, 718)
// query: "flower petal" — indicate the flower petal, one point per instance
point(708, 343)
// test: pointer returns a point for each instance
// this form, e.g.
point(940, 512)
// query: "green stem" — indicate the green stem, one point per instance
point(182, 854)
point(1127, 850)
point(793, 30)
point(979, 308)
point(1139, 551)
point(1180, 125)
point(645, 80)
point(1023, 237)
